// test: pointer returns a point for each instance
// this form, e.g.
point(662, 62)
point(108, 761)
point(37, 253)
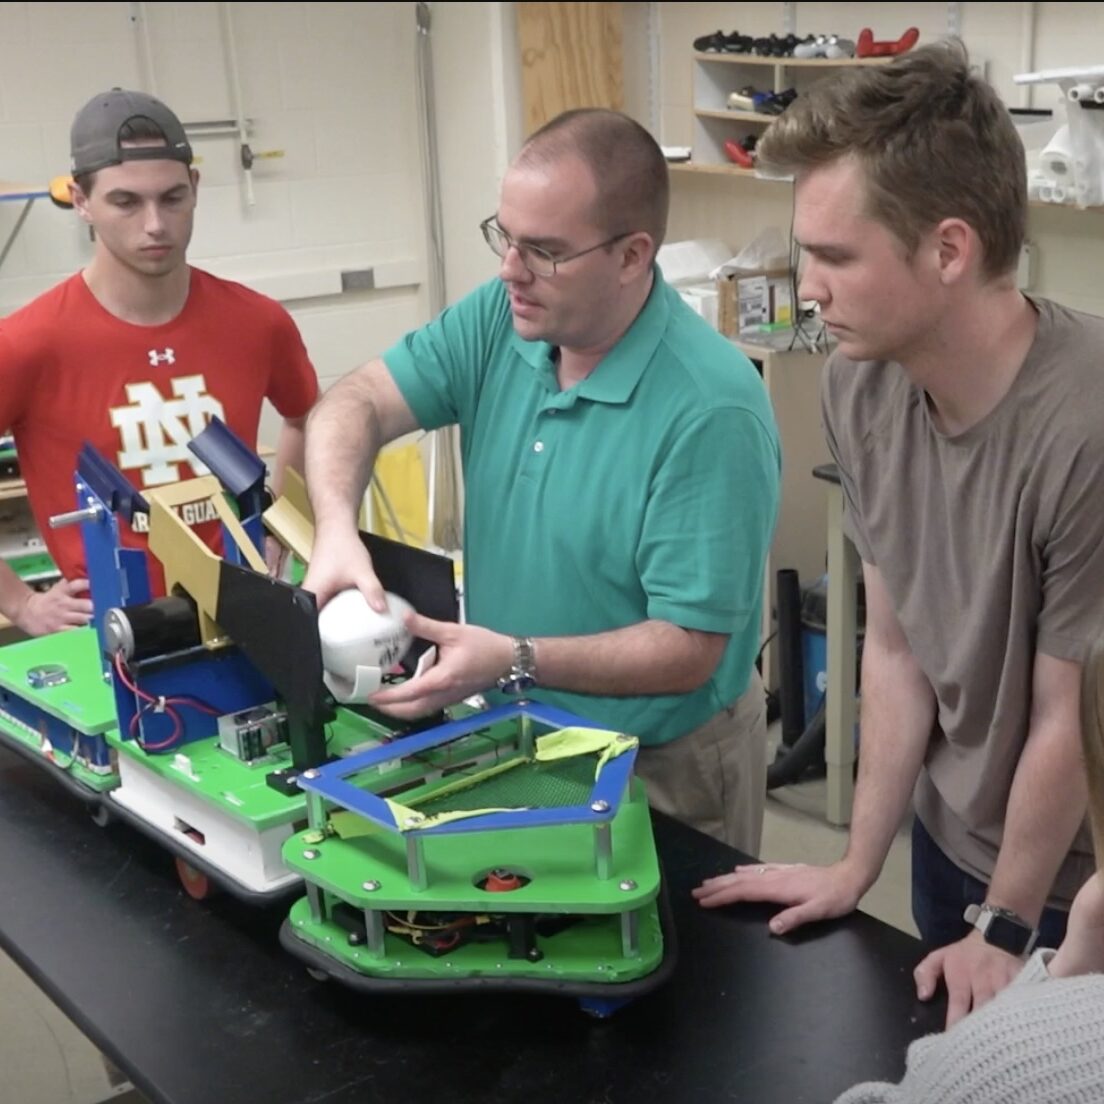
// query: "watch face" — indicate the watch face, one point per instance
point(516, 684)
point(1007, 934)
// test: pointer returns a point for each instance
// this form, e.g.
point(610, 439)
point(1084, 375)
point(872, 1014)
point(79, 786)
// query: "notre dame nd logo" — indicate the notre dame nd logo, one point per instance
point(154, 432)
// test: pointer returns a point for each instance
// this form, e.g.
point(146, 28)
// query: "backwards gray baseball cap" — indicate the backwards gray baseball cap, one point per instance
point(94, 138)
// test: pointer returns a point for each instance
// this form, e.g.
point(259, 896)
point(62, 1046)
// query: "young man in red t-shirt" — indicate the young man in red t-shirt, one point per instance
point(136, 353)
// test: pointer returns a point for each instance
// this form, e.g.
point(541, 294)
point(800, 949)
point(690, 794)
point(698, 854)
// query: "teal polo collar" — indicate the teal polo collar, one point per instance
point(618, 373)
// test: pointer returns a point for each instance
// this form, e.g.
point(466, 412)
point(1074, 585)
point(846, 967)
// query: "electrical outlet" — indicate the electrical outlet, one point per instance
point(1025, 272)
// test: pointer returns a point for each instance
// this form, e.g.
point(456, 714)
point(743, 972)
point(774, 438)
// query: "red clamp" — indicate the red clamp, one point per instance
point(738, 155)
point(865, 46)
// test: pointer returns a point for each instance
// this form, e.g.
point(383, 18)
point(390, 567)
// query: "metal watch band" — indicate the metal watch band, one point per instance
point(522, 675)
point(525, 656)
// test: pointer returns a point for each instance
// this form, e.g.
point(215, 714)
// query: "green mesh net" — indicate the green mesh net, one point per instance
point(529, 785)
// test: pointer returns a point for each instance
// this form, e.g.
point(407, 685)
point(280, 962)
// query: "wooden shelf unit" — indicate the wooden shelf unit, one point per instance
point(739, 116)
point(788, 62)
point(716, 75)
point(12, 488)
point(714, 170)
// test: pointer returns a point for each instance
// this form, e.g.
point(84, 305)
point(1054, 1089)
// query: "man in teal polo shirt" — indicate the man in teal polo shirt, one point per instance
point(621, 468)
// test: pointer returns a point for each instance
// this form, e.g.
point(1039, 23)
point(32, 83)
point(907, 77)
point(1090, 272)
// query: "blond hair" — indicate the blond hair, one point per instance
point(933, 139)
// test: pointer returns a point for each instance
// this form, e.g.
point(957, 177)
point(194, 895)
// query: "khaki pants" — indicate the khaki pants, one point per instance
point(715, 778)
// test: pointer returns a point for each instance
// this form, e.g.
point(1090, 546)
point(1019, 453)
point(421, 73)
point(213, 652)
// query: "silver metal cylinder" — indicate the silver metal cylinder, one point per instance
point(75, 517)
point(118, 633)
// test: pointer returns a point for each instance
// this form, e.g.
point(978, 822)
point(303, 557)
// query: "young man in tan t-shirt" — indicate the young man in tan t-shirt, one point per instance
point(967, 422)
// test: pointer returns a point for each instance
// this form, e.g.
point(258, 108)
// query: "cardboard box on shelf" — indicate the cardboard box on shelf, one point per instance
point(702, 299)
point(754, 302)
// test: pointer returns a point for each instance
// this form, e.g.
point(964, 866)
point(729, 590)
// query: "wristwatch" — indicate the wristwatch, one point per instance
point(522, 674)
point(1002, 927)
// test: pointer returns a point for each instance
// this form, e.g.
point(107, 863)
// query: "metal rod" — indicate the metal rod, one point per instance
point(140, 21)
point(630, 934)
point(75, 517)
point(373, 928)
point(234, 72)
point(415, 862)
point(228, 126)
point(525, 735)
point(1027, 52)
point(316, 811)
point(317, 903)
point(14, 233)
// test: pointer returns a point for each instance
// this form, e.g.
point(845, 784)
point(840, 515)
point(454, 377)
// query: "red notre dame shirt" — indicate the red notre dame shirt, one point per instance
point(72, 372)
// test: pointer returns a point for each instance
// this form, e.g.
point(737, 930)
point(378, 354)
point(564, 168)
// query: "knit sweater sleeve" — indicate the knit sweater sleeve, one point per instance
point(1041, 1041)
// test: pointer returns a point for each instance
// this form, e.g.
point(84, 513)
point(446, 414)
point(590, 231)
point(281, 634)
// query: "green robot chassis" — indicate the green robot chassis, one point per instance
point(519, 855)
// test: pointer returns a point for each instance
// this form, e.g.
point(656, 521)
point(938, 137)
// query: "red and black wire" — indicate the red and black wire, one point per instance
point(153, 704)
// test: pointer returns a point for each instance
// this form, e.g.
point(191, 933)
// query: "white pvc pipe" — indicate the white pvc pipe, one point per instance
point(1049, 76)
point(1027, 51)
point(231, 50)
point(139, 18)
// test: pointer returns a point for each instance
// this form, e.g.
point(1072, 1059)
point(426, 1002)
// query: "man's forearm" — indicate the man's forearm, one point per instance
point(898, 710)
point(343, 438)
point(1045, 808)
point(651, 657)
point(14, 593)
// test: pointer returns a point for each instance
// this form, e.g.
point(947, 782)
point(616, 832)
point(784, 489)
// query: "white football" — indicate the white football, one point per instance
point(354, 635)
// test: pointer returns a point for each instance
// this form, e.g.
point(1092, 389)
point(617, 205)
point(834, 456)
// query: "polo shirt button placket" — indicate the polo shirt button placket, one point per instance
point(539, 447)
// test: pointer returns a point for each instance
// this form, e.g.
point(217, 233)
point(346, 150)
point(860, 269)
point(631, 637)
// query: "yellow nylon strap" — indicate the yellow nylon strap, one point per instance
point(349, 826)
point(409, 819)
point(569, 742)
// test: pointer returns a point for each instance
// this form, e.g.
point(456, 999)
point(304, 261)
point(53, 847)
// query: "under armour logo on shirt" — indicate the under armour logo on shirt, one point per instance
point(164, 357)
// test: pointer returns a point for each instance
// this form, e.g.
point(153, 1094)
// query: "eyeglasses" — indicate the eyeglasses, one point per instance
point(538, 261)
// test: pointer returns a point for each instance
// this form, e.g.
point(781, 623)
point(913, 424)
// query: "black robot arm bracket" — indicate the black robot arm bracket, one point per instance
point(276, 626)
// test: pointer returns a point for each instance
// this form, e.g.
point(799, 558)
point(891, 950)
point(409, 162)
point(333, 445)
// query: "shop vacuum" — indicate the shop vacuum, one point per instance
point(803, 664)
